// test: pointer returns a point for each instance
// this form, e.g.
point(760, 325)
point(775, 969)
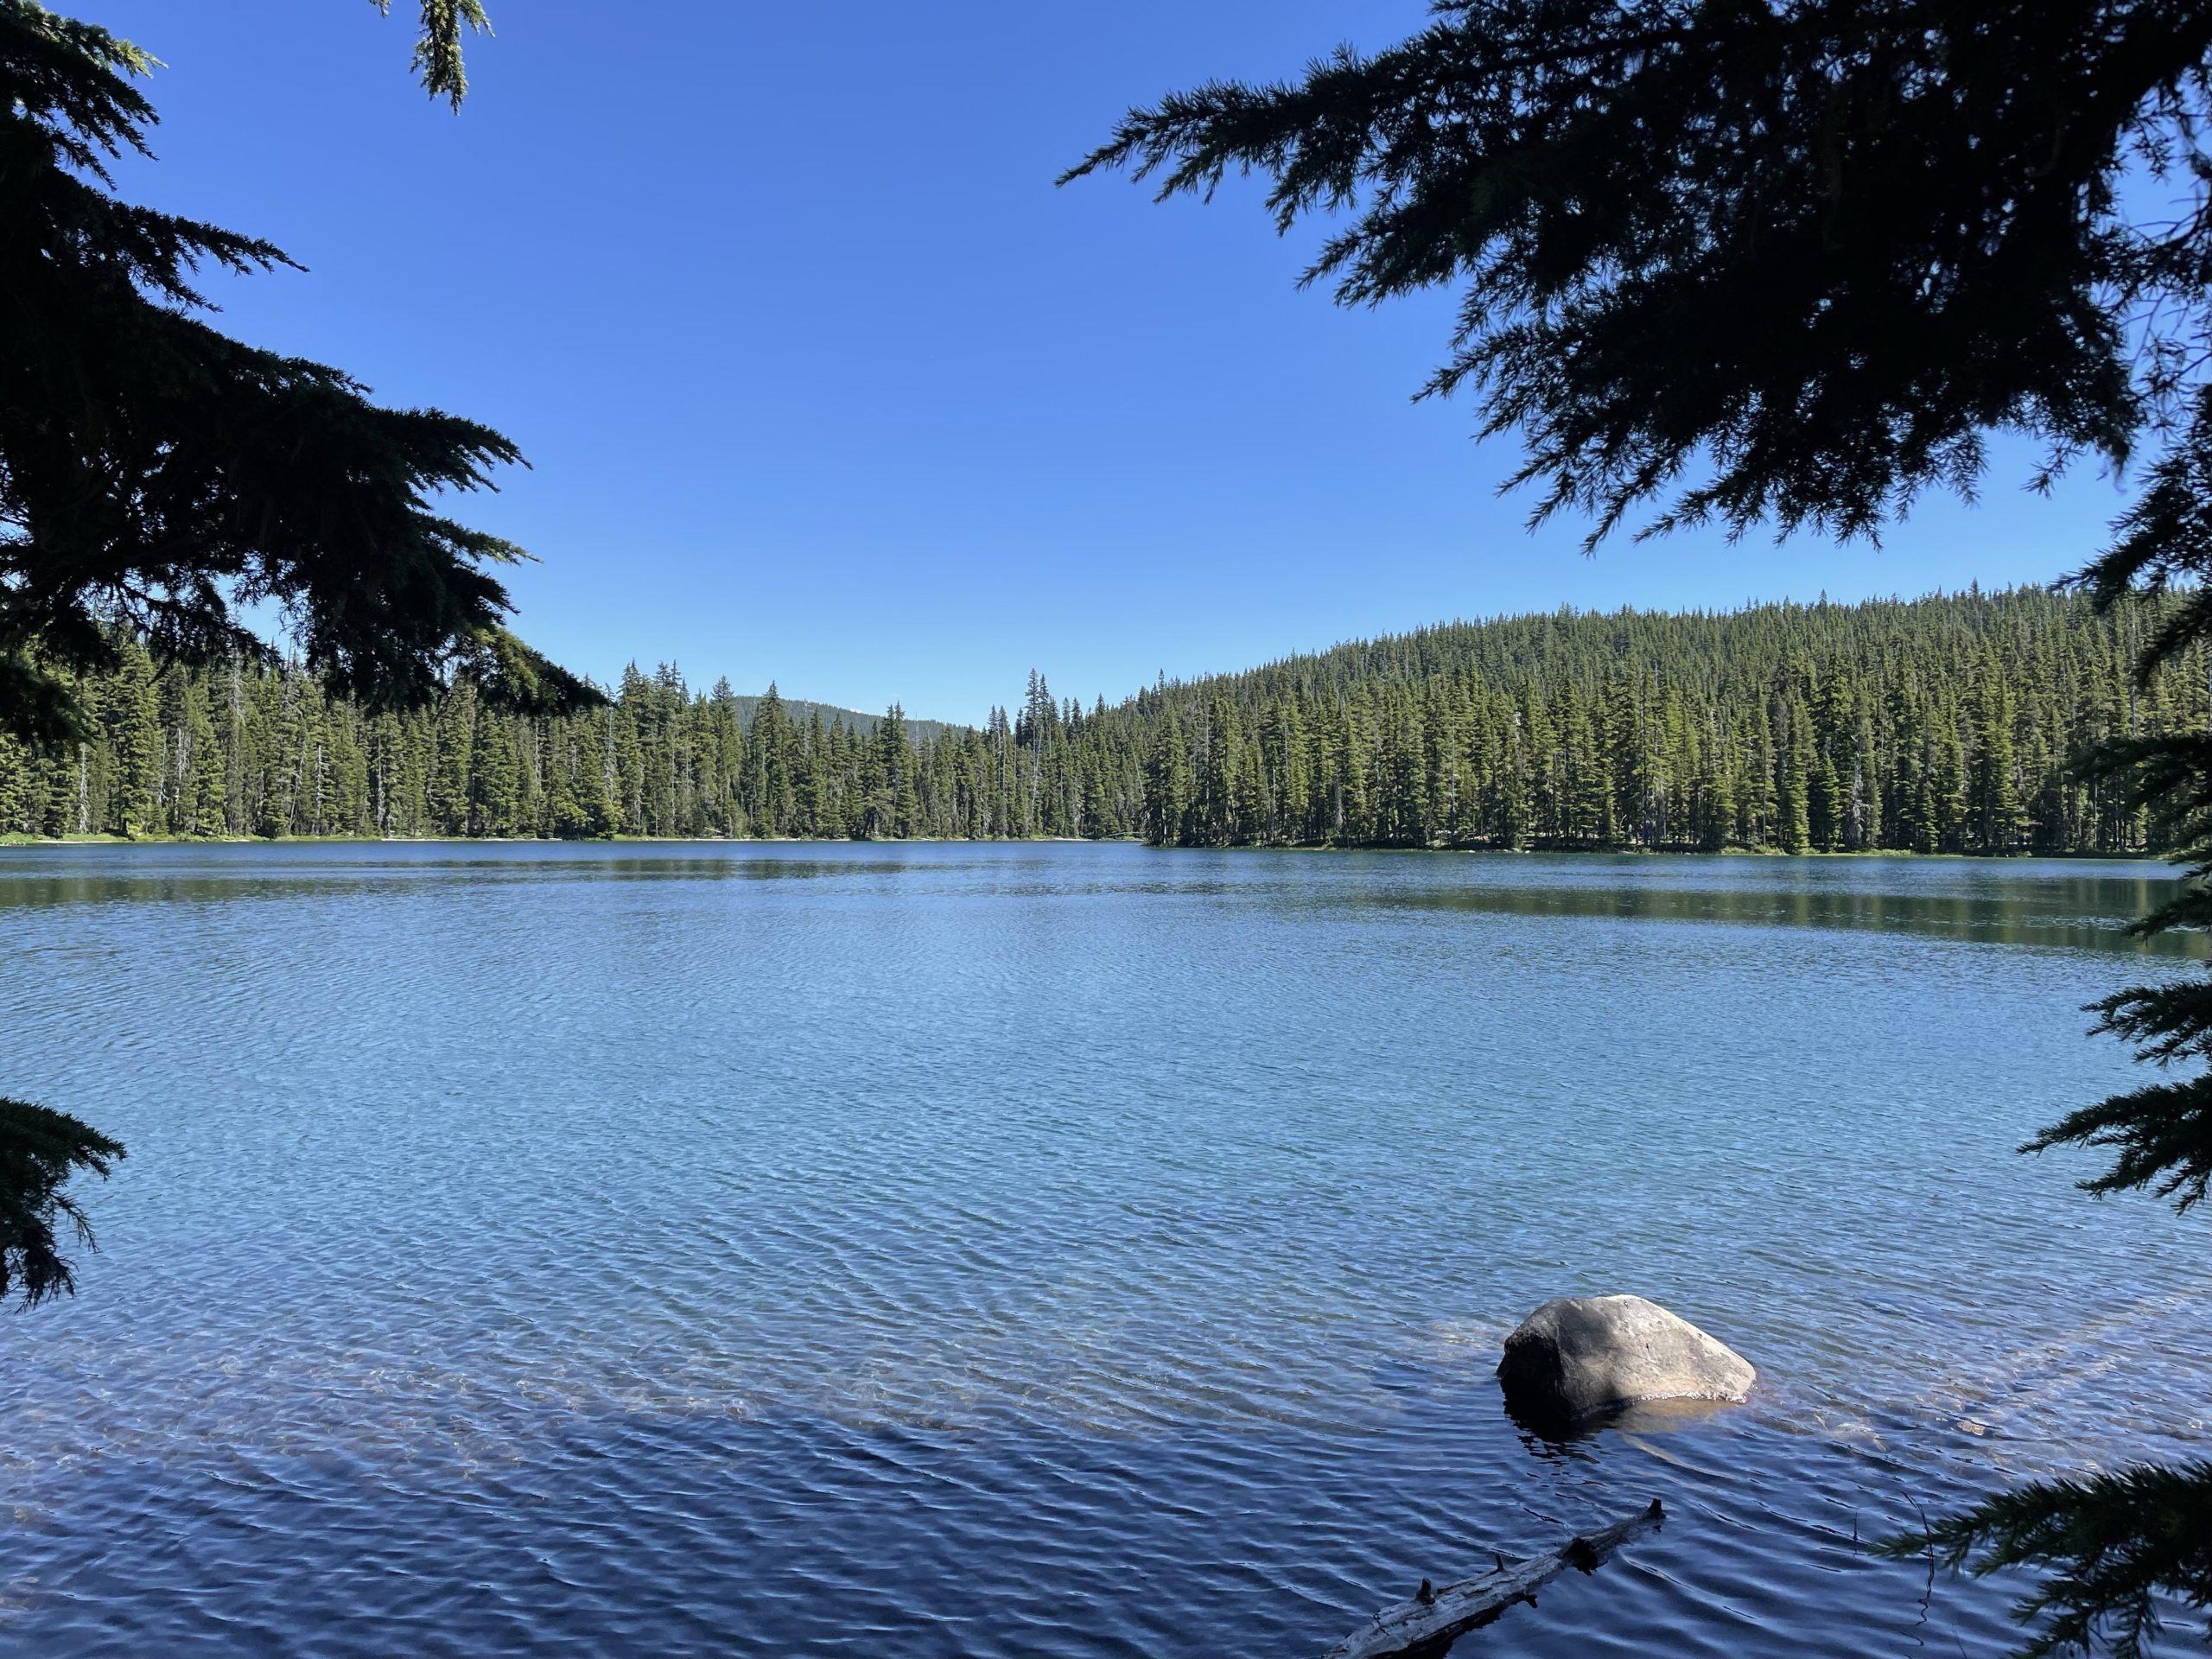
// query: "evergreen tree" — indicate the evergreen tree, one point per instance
point(1793, 785)
point(223, 468)
point(895, 763)
point(1999, 824)
point(493, 786)
point(455, 737)
point(1166, 784)
point(131, 714)
point(1777, 727)
point(1787, 264)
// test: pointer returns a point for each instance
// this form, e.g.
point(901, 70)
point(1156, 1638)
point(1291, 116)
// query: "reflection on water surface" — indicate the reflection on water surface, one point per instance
point(1050, 1249)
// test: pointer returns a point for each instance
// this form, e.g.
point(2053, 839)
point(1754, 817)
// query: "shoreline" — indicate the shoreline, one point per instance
point(14, 840)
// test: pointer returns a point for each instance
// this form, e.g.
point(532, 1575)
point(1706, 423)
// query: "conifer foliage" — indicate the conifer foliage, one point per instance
point(40, 1150)
point(157, 473)
point(2122, 1540)
point(1947, 725)
point(1825, 245)
point(159, 480)
point(438, 62)
point(1786, 264)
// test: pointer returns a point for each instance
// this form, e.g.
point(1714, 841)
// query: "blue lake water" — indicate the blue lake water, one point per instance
point(1061, 1250)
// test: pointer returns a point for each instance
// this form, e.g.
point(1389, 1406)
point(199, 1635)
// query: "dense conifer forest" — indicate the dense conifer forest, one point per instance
point(1945, 724)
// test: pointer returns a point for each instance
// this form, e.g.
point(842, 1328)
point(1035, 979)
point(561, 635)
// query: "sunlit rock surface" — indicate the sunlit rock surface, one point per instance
point(1577, 1356)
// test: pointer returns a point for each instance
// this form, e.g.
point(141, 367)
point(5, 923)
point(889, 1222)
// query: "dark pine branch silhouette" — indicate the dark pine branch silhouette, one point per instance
point(163, 483)
point(1787, 264)
point(40, 1150)
point(2110, 1546)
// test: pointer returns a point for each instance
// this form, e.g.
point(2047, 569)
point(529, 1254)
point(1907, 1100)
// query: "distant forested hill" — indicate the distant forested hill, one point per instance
point(1945, 724)
point(802, 712)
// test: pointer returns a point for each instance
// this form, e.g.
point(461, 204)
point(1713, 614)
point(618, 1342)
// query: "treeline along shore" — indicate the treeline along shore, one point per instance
point(1950, 724)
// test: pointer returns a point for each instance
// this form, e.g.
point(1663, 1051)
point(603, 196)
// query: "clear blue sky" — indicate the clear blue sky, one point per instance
point(824, 381)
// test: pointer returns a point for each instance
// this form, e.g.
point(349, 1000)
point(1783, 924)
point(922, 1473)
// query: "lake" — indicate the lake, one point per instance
point(1050, 1249)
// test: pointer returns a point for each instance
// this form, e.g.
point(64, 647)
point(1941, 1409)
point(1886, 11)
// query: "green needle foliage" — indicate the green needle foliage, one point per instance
point(160, 482)
point(1827, 245)
point(157, 473)
point(2161, 1135)
point(1788, 263)
point(2113, 1545)
point(437, 48)
point(40, 1150)
point(1952, 724)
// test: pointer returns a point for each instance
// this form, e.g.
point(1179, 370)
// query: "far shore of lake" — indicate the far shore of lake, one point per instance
point(16, 839)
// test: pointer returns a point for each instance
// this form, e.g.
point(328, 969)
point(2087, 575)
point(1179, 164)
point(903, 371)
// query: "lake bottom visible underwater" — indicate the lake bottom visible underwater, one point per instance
point(1053, 1249)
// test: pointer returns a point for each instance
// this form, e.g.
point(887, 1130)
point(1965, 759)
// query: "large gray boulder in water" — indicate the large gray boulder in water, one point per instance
point(1580, 1355)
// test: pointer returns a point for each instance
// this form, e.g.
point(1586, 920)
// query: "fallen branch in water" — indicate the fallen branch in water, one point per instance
point(1436, 1617)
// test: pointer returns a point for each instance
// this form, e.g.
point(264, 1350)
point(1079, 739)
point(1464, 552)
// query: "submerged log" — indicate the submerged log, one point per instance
point(1438, 1617)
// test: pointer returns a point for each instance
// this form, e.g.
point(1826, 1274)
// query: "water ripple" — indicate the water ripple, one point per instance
point(1048, 1250)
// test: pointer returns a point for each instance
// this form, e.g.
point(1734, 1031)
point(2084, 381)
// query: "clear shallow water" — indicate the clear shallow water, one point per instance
point(1047, 1250)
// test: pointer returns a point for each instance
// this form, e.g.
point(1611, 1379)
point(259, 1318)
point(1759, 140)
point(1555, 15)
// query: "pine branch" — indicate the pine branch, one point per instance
point(2112, 1545)
point(40, 1150)
point(437, 62)
point(2161, 1137)
point(1675, 223)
